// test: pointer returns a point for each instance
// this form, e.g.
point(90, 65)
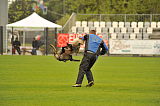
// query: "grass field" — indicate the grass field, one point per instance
point(43, 81)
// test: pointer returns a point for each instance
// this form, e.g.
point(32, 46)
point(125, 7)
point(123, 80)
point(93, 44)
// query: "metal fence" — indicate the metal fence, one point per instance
point(71, 22)
point(26, 38)
point(110, 18)
point(119, 17)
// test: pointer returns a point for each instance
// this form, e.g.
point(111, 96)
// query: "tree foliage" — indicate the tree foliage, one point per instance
point(58, 9)
point(113, 6)
point(19, 10)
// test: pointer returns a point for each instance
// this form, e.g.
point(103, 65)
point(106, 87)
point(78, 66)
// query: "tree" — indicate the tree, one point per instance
point(60, 9)
point(19, 10)
point(55, 10)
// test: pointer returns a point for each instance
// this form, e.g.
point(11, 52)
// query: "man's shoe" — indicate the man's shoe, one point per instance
point(90, 84)
point(76, 85)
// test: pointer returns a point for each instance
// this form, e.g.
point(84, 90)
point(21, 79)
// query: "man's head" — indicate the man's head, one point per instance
point(16, 39)
point(92, 31)
point(34, 38)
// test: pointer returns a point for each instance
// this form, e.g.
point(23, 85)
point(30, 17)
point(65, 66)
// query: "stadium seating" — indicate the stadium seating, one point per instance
point(149, 30)
point(140, 24)
point(86, 29)
point(158, 24)
point(133, 24)
point(114, 24)
point(74, 29)
point(126, 36)
point(133, 36)
point(117, 30)
point(84, 23)
point(120, 36)
point(136, 30)
point(123, 30)
point(78, 23)
point(102, 24)
point(104, 30)
point(79, 30)
point(113, 36)
point(98, 30)
point(92, 28)
point(144, 30)
point(139, 36)
point(146, 36)
point(96, 24)
point(121, 24)
point(108, 24)
point(146, 24)
point(140, 30)
point(111, 30)
point(130, 30)
point(90, 24)
point(127, 24)
point(153, 25)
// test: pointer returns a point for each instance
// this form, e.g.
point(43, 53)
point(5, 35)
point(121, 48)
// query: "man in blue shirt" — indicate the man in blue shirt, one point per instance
point(94, 46)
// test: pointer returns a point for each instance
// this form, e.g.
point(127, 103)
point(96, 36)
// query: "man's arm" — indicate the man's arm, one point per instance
point(19, 43)
point(104, 48)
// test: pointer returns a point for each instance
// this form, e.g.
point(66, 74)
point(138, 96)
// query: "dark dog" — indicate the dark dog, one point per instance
point(66, 53)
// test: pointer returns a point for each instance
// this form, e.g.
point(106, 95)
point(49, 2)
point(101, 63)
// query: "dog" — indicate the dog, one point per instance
point(66, 53)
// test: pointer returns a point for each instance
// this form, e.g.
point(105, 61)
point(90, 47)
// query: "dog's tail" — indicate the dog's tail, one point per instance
point(55, 52)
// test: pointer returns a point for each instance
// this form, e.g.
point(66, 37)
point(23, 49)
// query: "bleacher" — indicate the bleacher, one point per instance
point(117, 30)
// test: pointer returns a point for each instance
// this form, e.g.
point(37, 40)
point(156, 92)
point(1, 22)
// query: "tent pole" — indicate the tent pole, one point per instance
point(46, 40)
point(24, 35)
point(56, 38)
point(6, 40)
point(12, 39)
point(1, 40)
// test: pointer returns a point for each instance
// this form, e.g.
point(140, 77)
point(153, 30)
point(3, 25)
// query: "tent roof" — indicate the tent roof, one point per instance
point(34, 20)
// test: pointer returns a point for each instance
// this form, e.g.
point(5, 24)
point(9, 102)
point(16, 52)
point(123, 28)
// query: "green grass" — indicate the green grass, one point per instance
point(43, 81)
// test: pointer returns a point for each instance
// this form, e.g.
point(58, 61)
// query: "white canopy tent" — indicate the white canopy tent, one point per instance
point(33, 22)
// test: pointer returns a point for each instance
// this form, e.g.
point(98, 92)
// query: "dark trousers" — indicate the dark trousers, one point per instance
point(34, 51)
point(85, 67)
point(18, 49)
